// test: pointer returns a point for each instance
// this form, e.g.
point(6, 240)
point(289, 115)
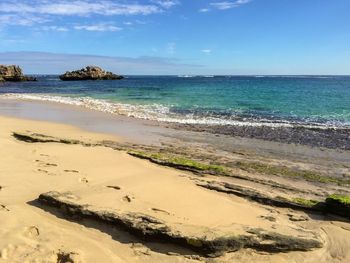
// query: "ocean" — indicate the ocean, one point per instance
point(321, 101)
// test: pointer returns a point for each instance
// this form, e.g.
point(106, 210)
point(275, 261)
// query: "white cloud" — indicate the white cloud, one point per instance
point(51, 63)
point(204, 10)
point(206, 51)
point(19, 20)
point(166, 3)
point(141, 22)
point(33, 12)
point(78, 7)
point(98, 27)
point(242, 2)
point(55, 28)
point(229, 4)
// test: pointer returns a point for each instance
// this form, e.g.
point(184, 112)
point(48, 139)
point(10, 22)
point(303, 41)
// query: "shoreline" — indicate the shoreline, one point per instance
point(146, 132)
point(159, 137)
point(319, 137)
point(156, 114)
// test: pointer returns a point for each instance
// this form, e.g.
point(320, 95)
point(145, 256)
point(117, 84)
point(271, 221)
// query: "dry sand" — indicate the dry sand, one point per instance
point(29, 233)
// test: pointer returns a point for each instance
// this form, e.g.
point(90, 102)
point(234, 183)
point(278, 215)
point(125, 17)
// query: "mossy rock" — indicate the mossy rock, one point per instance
point(338, 204)
point(305, 202)
point(180, 162)
point(288, 172)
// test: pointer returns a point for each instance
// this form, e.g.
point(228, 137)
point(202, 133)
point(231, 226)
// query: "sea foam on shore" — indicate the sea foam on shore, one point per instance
point(162, 113)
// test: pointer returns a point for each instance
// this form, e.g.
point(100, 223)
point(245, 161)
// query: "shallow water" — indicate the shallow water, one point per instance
point(239, 100)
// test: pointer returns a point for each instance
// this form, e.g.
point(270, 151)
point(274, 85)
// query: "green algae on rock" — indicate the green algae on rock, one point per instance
point(338, 204)
point(180, 162)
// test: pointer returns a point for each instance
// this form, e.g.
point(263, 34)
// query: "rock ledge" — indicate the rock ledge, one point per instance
point(153, 229)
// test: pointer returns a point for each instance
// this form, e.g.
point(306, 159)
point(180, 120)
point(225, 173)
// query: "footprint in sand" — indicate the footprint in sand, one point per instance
point(269, 218)
point(31, 232)
point(115, 187)
point(50, 164)
point(46, 172)
point(4, 208)
point(160, 211)
point(83, 180)
point(127, 198)
point(71, 171)
point(45, 164)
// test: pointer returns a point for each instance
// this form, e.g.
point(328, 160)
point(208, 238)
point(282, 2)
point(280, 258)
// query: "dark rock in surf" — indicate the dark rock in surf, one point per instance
point(13, 73)
point(90, 73)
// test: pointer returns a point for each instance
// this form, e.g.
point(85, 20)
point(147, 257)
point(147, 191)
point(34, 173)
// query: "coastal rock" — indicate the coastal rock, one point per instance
point(13, 73)
point(36, 137)
point(90, 73)
point(338, 204)
point(258, 196)
point(153, 229)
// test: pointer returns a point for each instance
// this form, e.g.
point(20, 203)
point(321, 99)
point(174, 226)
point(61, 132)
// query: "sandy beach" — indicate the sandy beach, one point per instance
point(172, 131)
point(72, 195)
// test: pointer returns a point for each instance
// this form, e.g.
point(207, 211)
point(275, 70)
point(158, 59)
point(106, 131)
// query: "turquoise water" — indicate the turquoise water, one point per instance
point(309, 100)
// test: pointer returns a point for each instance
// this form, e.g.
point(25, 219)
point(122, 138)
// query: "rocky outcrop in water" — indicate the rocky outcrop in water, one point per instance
point(13, 73)
point(90, 73)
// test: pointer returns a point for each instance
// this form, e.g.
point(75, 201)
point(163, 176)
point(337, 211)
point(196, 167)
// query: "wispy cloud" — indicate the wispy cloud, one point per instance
point(224, 5)
point(77, 7)
point(206, 51)
point(166, 3)
point(98, 27)
point(53, 63)
point(204, 10)
point(55, 28)
point(33, 12)
point(21, 20)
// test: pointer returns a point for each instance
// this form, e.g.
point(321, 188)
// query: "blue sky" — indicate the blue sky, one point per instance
point(178, 36)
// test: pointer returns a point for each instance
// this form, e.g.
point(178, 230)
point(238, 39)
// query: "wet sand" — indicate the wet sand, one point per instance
point(150, 132)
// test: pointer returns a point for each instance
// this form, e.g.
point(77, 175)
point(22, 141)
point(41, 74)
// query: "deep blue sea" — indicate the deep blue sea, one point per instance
point(239, 100)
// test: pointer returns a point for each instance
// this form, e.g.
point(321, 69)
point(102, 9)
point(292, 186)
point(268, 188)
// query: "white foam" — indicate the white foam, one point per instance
point(155, 112)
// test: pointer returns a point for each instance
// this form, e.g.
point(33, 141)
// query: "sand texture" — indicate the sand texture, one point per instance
point(75, 199)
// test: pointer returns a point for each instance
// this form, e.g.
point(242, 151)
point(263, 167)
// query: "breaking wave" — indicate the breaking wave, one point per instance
point(162, 113)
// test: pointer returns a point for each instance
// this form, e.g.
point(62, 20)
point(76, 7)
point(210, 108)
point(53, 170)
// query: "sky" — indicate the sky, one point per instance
point(235, 37)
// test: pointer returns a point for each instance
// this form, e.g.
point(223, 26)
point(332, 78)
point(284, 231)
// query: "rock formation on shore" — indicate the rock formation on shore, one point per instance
point(90, 73)
point(13, 73)
point(210, 244)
